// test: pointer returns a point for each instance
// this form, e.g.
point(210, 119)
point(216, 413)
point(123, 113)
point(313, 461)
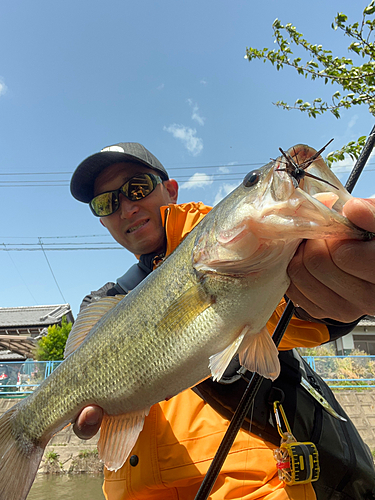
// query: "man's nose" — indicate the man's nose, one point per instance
point(127, 207)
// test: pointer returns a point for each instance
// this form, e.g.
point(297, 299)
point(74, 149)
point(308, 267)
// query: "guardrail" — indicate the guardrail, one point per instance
point(345, 372)
point(18, 379)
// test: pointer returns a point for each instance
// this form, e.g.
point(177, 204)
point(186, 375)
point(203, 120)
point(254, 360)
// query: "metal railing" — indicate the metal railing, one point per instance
point(345, 372)
point(18, 379)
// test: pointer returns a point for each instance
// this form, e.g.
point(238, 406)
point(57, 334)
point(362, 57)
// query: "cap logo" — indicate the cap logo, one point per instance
point(118, 149)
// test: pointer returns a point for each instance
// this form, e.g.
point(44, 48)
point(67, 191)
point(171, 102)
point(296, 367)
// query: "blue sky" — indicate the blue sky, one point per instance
point(76, 76)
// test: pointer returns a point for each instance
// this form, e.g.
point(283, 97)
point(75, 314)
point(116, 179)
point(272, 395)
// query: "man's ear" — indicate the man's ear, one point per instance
point(101, 222)
point(172, 188)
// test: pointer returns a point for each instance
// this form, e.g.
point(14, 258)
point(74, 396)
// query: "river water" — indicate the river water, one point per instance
point(67, 487)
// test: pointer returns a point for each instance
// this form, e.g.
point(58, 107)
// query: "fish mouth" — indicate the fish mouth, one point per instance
point(137, 226)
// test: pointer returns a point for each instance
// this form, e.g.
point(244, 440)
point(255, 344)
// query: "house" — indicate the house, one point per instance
point(362, 338)
point(20, 327)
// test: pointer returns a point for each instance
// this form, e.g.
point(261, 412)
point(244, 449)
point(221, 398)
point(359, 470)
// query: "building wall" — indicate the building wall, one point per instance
point(362, 338)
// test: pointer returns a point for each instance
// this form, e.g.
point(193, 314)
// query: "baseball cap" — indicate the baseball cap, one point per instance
point(83, 179)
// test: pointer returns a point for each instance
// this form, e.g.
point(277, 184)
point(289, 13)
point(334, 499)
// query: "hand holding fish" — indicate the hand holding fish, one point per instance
point(336, 279)
point(88, 422)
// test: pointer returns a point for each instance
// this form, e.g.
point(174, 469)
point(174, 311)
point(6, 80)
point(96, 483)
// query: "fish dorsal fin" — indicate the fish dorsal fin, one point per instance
point(87, 319)
point(185, 309)
point(220, 361)
point(259, 353)
point(118, 435)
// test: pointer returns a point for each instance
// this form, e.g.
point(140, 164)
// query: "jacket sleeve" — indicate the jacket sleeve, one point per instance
point(96, 295)
point(305, 331)
point(336, 329)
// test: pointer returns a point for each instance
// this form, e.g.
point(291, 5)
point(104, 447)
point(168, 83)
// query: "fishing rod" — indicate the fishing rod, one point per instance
point(256, 380)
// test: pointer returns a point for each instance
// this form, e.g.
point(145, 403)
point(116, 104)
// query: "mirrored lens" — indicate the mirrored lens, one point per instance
point(138, 187)
point(104, 204)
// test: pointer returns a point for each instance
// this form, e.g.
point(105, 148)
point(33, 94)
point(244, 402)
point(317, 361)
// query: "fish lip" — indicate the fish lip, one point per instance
point(132, 228)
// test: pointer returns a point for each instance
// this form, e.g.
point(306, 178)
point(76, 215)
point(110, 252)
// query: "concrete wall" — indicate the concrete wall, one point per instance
point(359, 405)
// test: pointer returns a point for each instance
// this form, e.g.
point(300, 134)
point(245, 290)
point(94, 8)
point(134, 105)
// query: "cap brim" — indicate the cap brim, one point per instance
point(83, 179)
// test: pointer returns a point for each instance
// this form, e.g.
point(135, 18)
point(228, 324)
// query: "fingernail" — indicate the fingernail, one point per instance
point(91, 418)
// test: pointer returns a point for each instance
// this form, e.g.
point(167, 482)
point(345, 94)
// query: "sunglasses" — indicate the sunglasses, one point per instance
point(136, 188)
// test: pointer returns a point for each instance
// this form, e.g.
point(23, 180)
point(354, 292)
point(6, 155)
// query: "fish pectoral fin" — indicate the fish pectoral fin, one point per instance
point(118, 435)
point(258, 353)
point(220, 361)
point(185, 309)
point(87, 319)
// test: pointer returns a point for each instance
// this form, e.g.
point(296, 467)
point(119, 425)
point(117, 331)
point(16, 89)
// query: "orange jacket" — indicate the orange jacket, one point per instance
point(180, 436)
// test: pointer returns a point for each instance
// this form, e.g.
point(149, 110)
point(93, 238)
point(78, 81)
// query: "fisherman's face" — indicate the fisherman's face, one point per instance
point(136, 225)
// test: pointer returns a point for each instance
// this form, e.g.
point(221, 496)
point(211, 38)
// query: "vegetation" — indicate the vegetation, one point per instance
point(320, 350)
point(353, 79)
point(51, 347)
point(52, 464)
point(357, 368)
point(52, 457)
point(86, 461)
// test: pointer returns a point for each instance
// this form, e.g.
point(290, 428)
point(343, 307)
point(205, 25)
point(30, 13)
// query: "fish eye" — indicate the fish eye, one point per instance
point(251, 178)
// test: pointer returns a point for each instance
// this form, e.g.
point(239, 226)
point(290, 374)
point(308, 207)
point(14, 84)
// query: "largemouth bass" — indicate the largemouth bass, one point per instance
point(208, 301)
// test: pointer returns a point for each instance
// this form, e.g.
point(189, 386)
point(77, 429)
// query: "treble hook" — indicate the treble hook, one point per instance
point(298, 172)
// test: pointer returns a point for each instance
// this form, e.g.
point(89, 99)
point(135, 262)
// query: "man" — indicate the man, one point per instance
point(130, 190)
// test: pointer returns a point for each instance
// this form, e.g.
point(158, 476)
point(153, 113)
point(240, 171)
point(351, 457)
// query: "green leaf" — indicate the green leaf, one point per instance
point(370, 9)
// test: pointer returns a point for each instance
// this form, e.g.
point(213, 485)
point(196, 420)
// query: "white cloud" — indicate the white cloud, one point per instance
point(188, 137)
point(224, 190)
point(161, 86)
point(3, 87)
point(352, 121)
point(198, 180)
point(343, 166)
point(196, 116)
point(203, 81)
point(372, 196)
point(224, 170)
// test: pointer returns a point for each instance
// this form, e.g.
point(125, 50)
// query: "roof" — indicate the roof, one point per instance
point(34, 315)
point(11, 356)
point(367, 321)
point(18, 344)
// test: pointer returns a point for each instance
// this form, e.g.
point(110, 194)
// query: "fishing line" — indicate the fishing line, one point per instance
point(247, 448)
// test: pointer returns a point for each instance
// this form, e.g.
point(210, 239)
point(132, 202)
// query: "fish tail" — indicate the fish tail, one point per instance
point(18, 463)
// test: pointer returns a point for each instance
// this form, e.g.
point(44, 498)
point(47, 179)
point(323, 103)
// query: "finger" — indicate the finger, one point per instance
point(323, 289)
point(88, 422)
point(361, 212)
point(327, 305)
point(300, 300)
point(354, 257)
point(320, 259)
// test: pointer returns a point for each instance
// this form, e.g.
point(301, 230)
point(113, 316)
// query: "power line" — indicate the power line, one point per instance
point(49, 265)
point(62, 249)
point(59, 237)
point(61, 243)
point(20, 275)
point(232, 176)
point(187, 167)
point(224, 165)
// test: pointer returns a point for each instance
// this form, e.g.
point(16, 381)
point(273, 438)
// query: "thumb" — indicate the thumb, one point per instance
point(361, 212)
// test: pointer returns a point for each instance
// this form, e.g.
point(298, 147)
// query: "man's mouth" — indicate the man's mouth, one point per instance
point(137, 226)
